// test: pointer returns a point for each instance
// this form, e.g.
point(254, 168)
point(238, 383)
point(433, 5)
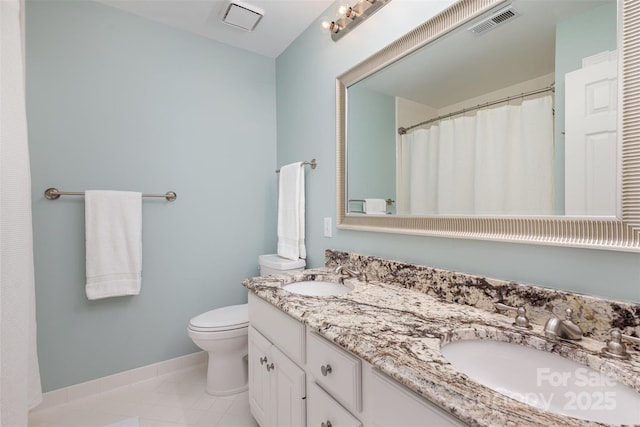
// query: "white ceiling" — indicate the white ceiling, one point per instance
point(461, 65)
point(283, 20)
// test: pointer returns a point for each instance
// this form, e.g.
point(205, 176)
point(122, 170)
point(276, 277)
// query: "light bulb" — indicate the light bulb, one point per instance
point(329, 25)
point(345, 10)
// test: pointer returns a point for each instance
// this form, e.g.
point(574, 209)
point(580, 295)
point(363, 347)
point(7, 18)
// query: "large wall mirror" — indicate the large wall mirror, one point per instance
point(512, 120)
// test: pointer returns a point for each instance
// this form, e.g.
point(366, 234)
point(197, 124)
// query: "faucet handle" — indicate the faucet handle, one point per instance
point(615, 346)
point(521, 321)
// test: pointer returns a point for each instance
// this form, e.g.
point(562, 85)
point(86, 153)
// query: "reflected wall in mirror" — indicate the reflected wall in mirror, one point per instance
point(512, 113)
point(513, 133)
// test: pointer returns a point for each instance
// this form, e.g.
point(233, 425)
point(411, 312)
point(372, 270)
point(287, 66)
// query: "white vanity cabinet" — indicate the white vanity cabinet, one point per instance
point(345, 391)
point(324, 411)
point(277, 389)
point(298, 378)
point(334, 389)
point(335, 370)
point(388, 403)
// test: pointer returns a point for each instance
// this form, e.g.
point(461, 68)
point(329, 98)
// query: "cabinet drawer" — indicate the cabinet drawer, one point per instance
point(282, 330)
point(323, 411)
point(335, 370)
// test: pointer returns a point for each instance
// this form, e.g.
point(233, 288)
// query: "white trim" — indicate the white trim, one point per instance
point(121, 379)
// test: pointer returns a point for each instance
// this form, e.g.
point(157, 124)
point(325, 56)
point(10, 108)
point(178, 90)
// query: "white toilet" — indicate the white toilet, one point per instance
point(223, 334)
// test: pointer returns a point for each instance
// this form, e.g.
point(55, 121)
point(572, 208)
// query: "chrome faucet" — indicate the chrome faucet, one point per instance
point(345, 271)
point(563, 329)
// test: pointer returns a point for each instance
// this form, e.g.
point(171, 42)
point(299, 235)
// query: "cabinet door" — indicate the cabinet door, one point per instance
point(259, 384)
point(288, 385)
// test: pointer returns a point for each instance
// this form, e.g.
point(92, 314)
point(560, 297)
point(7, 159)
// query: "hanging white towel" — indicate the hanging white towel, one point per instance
point(291, 212)
point(375, 206)
point(113, 227)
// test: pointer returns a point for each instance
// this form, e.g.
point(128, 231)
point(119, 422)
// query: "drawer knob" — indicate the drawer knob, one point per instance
point(326, 369)
point(263, 360)
point(325, 424)
point(270, 367)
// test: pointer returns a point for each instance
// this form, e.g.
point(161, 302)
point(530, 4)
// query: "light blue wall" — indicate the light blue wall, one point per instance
point(373, 174)
point(115, 101)
point(118, 102)
point(306, 74)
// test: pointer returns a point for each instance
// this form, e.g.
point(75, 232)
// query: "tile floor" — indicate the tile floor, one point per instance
point(171, 400)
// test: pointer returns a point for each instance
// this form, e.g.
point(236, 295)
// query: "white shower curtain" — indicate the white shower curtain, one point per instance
point(423, 176)
point(455, 164)
point(19, 375)
point(496, 162)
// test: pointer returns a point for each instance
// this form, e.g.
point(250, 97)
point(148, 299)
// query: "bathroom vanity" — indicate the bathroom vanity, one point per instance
point(296, 375)
point(372, 356)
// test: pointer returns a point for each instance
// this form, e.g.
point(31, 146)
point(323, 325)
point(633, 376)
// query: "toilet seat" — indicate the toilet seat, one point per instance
point(222, 319)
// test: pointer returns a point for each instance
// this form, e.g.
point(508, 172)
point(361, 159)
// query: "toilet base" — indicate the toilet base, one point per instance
point(227, 375)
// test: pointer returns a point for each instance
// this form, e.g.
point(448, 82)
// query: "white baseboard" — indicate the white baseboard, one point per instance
point(100, 385)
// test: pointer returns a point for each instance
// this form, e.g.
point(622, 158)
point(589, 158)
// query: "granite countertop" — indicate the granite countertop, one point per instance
point(400, 332)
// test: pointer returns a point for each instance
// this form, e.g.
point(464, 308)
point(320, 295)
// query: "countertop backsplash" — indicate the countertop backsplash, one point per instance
point(596, 316)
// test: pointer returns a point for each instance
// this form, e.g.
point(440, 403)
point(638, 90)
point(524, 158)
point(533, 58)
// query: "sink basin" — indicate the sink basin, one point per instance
point(318, 288)
point(545, 380)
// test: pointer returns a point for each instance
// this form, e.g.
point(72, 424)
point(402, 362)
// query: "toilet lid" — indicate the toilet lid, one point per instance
point(222, 319)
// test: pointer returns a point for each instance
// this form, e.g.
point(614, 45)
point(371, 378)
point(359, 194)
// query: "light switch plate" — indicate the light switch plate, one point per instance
point(328, 227)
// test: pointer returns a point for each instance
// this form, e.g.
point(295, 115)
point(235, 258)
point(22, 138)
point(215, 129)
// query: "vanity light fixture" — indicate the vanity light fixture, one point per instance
point(350, 16)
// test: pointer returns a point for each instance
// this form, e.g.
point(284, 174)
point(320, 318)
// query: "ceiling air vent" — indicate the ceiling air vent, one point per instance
point(241, 15)
point(500, 17)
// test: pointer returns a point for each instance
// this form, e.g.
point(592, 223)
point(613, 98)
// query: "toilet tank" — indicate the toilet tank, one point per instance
point(274, 264)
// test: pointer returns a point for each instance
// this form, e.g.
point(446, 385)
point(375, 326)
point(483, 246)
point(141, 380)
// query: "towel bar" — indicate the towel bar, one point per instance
point(312, 163)
point(54, 194)
point(389, 201)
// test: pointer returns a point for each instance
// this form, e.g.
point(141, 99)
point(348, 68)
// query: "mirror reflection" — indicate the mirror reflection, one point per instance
point(513, 113)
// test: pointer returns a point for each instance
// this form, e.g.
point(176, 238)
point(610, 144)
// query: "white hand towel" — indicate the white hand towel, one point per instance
point(375, 206)
point(291, 212)
point(113, 227)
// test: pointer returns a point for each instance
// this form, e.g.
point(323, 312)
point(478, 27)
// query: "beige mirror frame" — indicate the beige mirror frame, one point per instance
point(616, 233)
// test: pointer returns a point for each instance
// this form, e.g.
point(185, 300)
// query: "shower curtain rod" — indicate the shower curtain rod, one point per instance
point(403, 130)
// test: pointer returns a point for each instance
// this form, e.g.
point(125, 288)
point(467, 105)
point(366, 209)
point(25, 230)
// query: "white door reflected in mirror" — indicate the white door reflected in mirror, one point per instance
point(590, 138)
